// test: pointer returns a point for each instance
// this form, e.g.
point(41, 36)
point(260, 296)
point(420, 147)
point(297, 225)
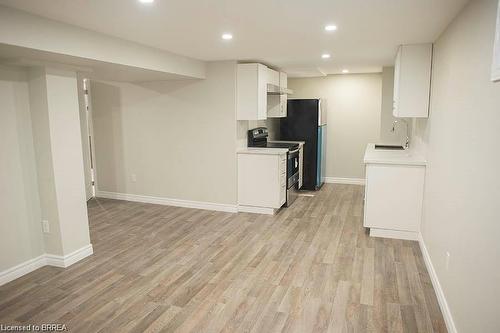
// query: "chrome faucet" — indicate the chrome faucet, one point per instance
point(407, 144)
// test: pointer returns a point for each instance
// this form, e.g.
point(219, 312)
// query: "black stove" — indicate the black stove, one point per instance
point(290, 146)
point(257, 137)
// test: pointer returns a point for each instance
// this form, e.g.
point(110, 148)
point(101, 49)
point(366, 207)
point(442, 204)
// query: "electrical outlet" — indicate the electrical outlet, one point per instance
point(45, 226)
point(447, 264)
point(133, 177)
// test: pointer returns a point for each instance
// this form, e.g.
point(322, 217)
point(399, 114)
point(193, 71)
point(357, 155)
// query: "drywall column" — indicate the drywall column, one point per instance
point(58, 149)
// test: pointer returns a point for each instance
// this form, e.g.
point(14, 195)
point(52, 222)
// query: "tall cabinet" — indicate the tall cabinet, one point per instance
point(412, 81)
point(251, 91)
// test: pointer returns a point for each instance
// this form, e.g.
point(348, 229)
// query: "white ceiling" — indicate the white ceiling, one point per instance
point(288, 34)
point(93, 69)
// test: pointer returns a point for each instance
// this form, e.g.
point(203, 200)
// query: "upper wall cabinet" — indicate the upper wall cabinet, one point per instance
point(412, 81)
point(276, 107)
point(251, 92)
point(273, 77)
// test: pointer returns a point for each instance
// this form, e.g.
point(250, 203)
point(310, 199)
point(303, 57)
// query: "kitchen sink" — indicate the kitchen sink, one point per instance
point(389, 147)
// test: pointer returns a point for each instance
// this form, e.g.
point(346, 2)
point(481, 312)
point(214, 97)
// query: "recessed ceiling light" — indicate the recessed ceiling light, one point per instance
point(146, 1)
point(227, 36)
point(345, 71)
point(330, 27)
point(325, 56)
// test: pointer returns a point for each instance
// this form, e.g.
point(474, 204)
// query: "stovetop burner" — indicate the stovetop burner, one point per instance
point(290, 146)
point(257, 137)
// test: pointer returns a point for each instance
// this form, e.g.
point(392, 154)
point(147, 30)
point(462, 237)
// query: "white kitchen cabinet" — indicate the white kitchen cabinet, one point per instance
point(261, 180)
point(251, 91)
point(277, 104)
point(283, 80)
point(393, 200)
point(412, 81)
point(273, 77)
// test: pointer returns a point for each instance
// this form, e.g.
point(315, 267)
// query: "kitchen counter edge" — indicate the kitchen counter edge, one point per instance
point(401, 157)
point(262, 151)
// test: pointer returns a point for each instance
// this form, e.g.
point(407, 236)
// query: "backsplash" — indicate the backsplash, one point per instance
point(272, 124)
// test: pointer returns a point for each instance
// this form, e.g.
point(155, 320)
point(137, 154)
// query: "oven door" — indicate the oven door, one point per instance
point(292, 168)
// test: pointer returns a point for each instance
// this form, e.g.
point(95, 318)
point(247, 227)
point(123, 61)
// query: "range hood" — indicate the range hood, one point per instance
point(273, 89)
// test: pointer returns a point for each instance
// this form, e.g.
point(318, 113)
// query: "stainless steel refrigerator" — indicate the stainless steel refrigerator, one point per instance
point(306, 121)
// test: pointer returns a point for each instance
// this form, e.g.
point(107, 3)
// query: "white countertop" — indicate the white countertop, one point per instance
point(262, 151)
point(401, 157)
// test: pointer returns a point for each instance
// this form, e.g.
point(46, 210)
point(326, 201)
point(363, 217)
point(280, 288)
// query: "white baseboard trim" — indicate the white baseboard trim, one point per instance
point(396, 234)
point(22, 269)
point(443, 304)
point(168, 201)
point(256, 210)
point(44, 260)
point(348, 181)
point(69, 259)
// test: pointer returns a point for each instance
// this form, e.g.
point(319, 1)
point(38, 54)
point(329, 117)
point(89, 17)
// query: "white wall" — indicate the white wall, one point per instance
point(41, 174)
point(272, 124)
point(19, 203)
point(462, 193)
point(44, 165)
point(178, 137)
point(354, 107)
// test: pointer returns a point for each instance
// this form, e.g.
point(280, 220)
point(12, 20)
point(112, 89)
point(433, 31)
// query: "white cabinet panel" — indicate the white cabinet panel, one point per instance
point(393, 197)
point(283, 77)
point(251, 92)
point(412, 81)
point(283, 105)
point(277, 104)
point(273, 77)
point(262, 180)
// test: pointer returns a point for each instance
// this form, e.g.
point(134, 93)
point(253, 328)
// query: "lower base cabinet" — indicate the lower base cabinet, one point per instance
point(393, 200)
point(262, 180)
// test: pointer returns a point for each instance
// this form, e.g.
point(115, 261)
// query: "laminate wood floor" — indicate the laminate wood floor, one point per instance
point(310, 268)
